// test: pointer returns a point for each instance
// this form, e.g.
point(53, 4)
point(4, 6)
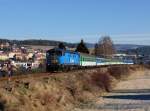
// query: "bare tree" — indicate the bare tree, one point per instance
point(105, 47)
point(96, 49)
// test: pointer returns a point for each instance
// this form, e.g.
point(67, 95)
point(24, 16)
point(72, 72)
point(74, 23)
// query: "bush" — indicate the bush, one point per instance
point(118, 71)
point(102, 80)
point(71, 87)
point(22, 70)
point(46, 98)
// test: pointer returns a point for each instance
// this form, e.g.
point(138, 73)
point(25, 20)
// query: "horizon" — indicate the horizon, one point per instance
point(76, 42)
point(126, 22)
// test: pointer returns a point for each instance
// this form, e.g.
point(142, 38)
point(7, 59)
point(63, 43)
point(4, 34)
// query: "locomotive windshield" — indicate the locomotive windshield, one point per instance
point(53, 55)
point(56, 52)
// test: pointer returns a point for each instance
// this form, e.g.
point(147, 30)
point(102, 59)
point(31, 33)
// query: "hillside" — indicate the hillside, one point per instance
point(61, 91)
point(124, 47)
point(143, 50)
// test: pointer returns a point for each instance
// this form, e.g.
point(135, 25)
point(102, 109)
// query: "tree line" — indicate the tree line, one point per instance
point(36, 42)
point(104, 47)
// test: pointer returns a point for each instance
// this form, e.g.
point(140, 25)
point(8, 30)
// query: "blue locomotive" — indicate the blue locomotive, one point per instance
point(61, 59)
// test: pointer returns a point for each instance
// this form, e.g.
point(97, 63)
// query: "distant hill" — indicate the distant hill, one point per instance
point(43, 43)
point(122, 47)
point(143, 50)
point(37, 42)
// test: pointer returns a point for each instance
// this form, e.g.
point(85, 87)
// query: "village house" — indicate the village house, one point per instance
point(4, 45)
point(3, 57)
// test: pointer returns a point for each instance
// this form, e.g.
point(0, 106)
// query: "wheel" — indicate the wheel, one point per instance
point(48, 68)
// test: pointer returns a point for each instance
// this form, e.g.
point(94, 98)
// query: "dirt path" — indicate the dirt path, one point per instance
point(133, 94)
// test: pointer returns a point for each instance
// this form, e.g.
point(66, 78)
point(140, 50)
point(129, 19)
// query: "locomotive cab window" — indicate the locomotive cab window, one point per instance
point(58, 53)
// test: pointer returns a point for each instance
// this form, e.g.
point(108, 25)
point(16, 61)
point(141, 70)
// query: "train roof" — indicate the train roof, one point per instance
point(84, 54)
point(58, 49)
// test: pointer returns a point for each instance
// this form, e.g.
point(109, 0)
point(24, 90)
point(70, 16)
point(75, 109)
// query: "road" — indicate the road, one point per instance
point(132, 94)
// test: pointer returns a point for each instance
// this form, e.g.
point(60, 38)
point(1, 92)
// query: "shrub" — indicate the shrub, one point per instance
point(118, 71)
point(47, 99)
point(71, 87)
point(102, 80)
point(23, 70)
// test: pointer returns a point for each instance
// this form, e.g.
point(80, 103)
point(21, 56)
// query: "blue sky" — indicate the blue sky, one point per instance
point(126, 21)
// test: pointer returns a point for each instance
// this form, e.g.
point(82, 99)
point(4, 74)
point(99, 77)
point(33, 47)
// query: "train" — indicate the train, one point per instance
point(60, 59)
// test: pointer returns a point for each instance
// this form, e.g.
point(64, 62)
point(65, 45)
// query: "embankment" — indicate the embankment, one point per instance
point(61, 92)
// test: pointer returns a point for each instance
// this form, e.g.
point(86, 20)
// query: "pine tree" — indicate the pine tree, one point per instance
point(62, 46)
point(82, 47)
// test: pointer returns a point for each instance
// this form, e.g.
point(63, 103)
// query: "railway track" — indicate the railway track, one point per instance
point(47, 74)
point(20, 77)
point(35, 76)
